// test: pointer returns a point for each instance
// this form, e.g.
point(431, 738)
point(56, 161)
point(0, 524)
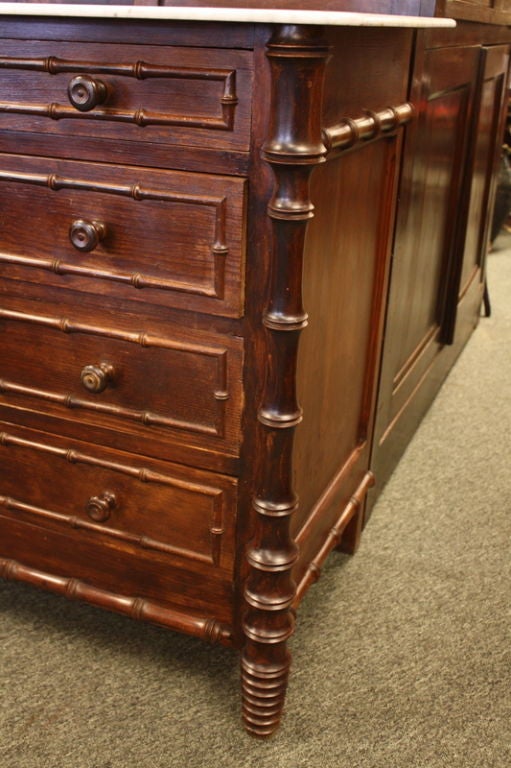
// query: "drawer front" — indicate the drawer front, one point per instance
point(184, 388)
point(180, 513)
point(164, 237)
point(147, 94)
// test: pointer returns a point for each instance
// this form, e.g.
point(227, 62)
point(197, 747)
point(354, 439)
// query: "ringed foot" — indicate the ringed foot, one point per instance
point(263, 695)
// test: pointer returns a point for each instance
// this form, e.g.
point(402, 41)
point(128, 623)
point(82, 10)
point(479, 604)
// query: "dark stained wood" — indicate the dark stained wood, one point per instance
point(122, 570)
point(172, 95)
point(260, 188)
point(202, 216)
point(349, 236)
point(293, 147)
point(344, 535)
point(195, 388)
point(486, 11)
point(466, 34)
point(487, 148)
point(171, 227)
point(442, 232)
point(134, 607)
point(427, 242)
point(182, 33)
point(345, 283)
point(63, 488)
point(376, 78)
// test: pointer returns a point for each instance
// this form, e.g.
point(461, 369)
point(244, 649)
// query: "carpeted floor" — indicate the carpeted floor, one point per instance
point(402, 657)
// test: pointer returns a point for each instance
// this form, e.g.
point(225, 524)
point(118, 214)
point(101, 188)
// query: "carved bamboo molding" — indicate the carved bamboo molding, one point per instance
point(297, 58)
point(139, 193)
point(334, 537)
point(218, 356)
point(139, 70)
point(140, 474)
point(372, 125)
point(137, 608)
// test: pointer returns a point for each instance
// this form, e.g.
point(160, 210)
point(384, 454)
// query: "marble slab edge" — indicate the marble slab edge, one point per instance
point(243, 15)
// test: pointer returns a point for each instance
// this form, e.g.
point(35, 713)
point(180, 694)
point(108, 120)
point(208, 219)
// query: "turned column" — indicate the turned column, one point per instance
point(297, 57)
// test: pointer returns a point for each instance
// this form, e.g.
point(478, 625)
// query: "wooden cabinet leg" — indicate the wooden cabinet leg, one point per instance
point(263, 690)
point(269, 619)
point(297, 58)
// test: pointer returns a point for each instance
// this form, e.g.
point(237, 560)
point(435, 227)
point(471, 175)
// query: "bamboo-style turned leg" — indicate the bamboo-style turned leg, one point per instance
point(297, 57)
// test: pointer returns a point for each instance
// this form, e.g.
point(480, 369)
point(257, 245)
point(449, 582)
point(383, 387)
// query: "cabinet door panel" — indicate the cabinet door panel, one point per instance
point(431, 218)
point(488, 131)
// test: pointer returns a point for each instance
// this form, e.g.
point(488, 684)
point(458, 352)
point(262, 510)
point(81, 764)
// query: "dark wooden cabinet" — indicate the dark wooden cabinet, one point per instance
point(447, 184)
point(231, 256)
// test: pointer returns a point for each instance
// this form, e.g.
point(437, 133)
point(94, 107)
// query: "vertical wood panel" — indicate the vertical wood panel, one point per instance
point(444, 195)
point(348, 246)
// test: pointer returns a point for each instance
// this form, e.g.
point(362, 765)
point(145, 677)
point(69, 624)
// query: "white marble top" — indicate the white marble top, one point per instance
point(252, 15)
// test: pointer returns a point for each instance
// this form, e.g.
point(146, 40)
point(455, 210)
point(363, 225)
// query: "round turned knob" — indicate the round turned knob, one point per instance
point(85, 92)
point(95, 378)
point(99, 507)
point(86, 235)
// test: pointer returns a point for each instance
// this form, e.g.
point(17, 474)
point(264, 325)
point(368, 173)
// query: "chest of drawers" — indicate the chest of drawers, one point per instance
point(170, 193)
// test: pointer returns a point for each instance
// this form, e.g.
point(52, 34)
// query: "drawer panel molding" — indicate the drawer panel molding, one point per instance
point(140, 70)
point(173, 95)
point(133, 515)
point(193, 226)
point(195, 387)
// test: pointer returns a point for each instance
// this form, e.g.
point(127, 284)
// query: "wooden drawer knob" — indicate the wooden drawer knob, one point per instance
point(86, 235)
point(95, 378)
point(85, 92)
point(99, 507)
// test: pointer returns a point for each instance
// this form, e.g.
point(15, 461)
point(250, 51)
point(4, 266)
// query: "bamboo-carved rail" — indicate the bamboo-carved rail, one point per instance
point(350, 132)
point(142, 474)
point(139, 193)
point(133, 539)
point(135, 607)
point(334, 537)
point(68, 400)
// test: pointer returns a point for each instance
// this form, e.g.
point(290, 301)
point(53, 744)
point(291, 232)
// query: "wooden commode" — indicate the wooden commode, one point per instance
point(239, 252)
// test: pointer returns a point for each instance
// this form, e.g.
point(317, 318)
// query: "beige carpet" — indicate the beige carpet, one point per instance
point(402, 657)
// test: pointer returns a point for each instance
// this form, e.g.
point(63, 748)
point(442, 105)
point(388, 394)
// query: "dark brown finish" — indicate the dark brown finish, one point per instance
point(99, 507)
point(487, 11)
point(441, 236)
point(481, 174)
point(348, 133)
point(194, 387)
point(95, 378)
point(204, 96)
point(345, 283)
point(207, 360)
point(134, 607)
point(146, 508)
point(104, 211)
point(86, 235)
point(344, 535)
point(86, 93)
point(294, 146)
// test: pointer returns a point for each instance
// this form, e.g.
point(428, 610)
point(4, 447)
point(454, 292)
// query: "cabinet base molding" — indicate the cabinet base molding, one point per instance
point(134, 607)
point(344, 535)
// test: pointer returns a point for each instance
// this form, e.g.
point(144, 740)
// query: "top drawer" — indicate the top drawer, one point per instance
point(170, 95)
